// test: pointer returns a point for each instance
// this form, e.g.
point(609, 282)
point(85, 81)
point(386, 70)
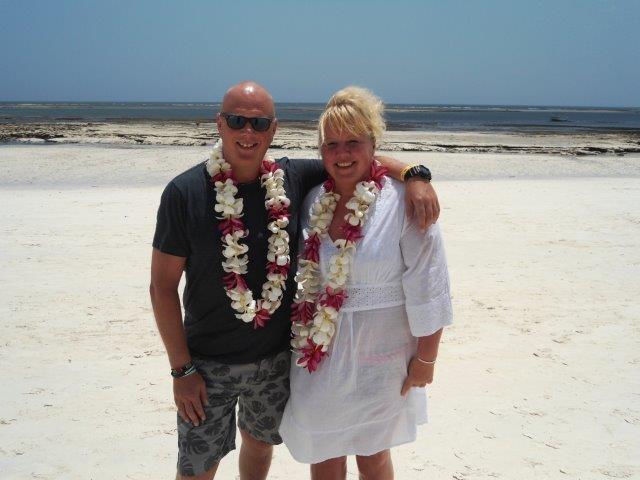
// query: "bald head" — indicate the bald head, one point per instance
point(244, 147)
point(248, 95)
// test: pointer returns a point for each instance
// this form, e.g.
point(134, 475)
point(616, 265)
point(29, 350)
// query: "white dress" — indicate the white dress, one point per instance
point(398, 290)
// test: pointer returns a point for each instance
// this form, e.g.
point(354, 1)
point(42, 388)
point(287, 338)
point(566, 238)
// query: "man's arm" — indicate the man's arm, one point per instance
point(421, 201)
point(189, 391)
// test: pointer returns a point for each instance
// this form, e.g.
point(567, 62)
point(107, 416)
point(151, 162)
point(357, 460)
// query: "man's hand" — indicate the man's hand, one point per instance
point(419, 375)
point(190, 394)
point(421, 202)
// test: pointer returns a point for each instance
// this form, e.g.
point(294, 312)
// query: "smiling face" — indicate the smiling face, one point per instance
point(245, 148)
point(347, 157)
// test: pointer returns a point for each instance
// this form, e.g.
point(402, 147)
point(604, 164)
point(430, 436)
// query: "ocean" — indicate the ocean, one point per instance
point(398, 117)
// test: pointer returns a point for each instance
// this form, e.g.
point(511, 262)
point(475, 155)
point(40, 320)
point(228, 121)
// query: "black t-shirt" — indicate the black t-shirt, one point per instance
point(187, 227)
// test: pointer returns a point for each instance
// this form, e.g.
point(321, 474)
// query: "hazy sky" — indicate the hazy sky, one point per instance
point(559, 52)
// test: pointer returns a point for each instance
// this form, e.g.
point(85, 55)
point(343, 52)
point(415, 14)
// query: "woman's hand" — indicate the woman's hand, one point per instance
point(419, 374)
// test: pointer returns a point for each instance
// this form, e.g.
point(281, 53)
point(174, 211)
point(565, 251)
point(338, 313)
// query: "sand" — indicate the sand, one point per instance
point(537, 378)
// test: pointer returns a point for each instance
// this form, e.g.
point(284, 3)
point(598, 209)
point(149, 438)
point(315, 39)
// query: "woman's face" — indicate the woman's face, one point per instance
point(346, 157)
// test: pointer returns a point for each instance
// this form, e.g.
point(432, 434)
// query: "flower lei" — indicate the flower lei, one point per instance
point(232, 230)
point(315, 309)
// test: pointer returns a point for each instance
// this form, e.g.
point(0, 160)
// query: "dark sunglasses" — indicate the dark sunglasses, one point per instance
point(236, 122)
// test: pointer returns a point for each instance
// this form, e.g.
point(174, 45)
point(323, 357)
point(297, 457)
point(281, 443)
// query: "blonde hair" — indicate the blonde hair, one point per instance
point(354, 110)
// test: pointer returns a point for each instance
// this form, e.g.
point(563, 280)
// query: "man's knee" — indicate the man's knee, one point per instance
point(257, 447)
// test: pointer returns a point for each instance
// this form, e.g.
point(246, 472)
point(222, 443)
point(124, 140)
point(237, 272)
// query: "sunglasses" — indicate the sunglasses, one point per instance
point(236, 122)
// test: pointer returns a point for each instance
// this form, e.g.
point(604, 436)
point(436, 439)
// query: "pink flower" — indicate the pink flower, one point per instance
point(261, 318)
point(303, 312)
point(312, 355)
point(273, 267)
point(333, 298)
point(223, 176)
point(352, 233)
point(329, 185)
point(269, 166)
point(234, 281)
point(277, 213)
point(377, 174)
point(312, 248)
point(230, 225)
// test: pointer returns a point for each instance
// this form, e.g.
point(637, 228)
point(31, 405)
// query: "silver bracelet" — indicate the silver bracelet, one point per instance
point(432, 362)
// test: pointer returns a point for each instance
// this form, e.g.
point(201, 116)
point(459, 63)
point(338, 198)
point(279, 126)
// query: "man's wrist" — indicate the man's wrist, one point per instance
point(415, 171)
point(183, 371)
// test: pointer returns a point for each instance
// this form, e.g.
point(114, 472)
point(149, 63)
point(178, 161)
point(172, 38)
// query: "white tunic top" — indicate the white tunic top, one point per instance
point(398, 290)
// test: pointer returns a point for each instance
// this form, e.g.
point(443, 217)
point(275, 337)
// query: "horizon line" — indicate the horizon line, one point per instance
point(209, 102)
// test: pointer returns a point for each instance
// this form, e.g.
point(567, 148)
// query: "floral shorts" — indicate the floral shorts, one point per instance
point(261, 391)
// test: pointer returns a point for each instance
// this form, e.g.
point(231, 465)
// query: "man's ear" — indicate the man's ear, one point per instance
point(275, 125)
point(218, 119)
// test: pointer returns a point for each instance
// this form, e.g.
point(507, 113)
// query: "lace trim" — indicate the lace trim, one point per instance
point(371, 297)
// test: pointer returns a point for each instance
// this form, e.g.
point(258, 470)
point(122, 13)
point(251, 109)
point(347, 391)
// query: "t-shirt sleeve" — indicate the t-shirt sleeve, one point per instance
point(310, 172)
point(171, 228)
point(426, 279)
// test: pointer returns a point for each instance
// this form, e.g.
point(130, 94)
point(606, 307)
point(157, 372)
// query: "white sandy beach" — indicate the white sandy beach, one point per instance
point(539, 377)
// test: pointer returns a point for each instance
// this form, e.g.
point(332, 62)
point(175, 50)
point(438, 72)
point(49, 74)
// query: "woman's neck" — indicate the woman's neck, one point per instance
point(345, 189)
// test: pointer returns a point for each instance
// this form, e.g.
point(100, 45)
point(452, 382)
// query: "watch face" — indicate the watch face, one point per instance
point(419, 171)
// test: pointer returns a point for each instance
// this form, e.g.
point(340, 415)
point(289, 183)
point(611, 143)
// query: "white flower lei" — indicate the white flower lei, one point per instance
point(316, 306)
point(230, 210)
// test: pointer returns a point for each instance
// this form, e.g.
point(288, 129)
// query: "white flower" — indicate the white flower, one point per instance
point(328, 328)
point(353, 220)
point(364, 193)
point(321, 338)
point(274, 293)
point(236, 264)
point(246, 317)
point(353, 204)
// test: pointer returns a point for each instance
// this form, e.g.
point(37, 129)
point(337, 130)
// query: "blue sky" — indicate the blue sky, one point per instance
point(580, 52)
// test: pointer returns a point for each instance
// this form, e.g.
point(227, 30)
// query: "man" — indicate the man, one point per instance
point(233, 348)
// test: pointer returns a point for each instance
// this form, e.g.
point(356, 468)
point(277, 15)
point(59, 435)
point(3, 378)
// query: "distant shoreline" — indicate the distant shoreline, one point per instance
point(26, 124)
point(399, 117)
point(298, 135)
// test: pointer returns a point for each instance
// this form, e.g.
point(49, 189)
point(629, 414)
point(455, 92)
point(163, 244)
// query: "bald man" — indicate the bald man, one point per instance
point(216, 359)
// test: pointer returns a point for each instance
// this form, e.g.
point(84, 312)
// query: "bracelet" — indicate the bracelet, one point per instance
point(426, 362)
point(404, 171)
point(183, 371)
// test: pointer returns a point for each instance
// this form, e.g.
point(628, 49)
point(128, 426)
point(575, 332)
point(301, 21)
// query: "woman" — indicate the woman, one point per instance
point(373, 298)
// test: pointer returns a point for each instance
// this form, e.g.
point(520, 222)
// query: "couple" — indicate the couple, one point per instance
point(363, 315)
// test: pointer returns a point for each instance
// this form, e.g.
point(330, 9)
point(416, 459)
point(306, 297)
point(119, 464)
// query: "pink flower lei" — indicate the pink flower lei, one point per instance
point(316, 307)
point(232, 230)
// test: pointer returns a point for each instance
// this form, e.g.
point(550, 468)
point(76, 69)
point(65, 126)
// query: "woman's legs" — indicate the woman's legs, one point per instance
point(375, 467)
point(371, 467)
point(332, 469)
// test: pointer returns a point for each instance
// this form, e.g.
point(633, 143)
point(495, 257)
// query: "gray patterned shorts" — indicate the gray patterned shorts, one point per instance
point(261, 389)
